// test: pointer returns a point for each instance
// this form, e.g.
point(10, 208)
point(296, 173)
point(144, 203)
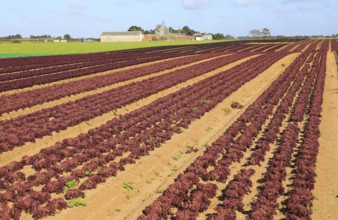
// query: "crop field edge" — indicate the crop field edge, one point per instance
point(13, 50)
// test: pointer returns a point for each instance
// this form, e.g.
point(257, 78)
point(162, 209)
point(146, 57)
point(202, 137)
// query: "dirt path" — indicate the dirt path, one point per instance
point(326, 187)
point(154, 173)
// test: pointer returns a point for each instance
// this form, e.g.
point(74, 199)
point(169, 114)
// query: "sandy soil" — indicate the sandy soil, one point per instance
point(326, 188)
point(32, 148)
point(154, 173)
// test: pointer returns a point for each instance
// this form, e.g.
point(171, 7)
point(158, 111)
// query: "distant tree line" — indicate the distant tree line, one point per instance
point(257, 33)
point(10, 37)
point(40, 36)
point(185, 30)
point(44, 36)
point(220, 36)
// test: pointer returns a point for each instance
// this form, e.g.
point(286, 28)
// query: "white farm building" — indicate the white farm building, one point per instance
point(129, 36)
point(199, 37)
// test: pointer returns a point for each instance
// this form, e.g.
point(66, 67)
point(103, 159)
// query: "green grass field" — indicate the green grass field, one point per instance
point(44, 49)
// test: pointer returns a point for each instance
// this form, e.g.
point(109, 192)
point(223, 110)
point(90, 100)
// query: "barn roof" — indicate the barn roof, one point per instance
point(132, 33)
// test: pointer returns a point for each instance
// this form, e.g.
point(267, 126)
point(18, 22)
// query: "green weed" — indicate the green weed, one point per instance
point(115, 112)
point(88, 172)
point(128, 186)
point(129, 196)
point(159, 191)
point(76, 202)
point(204, 101)
point(70, 184)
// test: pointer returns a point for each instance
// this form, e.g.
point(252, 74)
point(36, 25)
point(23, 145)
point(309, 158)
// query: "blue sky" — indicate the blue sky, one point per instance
point(88, 18)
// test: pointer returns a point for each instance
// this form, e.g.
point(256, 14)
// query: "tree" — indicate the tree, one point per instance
point(136, 28)
point(187, 31)
point(67, 37)
point(149, 31)
point(172, 30)
point(266, 32)
point(40, 36)
point(255, 33)
point(218, 36)
point(229, 37)
point(17, 36)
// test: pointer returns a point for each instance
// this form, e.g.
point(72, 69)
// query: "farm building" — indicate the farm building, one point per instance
point(199, 37)
point(162, 30)
point(59, 41)
point(129, 36)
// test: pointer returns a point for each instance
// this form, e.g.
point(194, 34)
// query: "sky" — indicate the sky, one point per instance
point(88, 18)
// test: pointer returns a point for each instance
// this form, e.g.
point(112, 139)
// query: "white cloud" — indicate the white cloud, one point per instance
point(322, 2)
point(283, 10)
point(126, 2)
point(243, 3)
point(300, 1)
point(308, 5)
point(308, 8)
point(76, 5)
point(196, 4)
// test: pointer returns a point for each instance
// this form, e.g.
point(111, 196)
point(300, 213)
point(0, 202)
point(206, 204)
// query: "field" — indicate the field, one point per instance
point(209, 131)
point(42, 49)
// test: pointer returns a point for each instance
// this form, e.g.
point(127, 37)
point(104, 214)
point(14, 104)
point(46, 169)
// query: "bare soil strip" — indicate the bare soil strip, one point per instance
point(259, 171)
point(326, 187)
point(285, 46)
point(273, 47)
point(258, 48)
point(88, 76)
point(247, 48)
point(33, 148)
point(50, 104)
point(296, 45)
point(154, 173)
point(168, 49)
point(319, 45)
point(256, 183)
